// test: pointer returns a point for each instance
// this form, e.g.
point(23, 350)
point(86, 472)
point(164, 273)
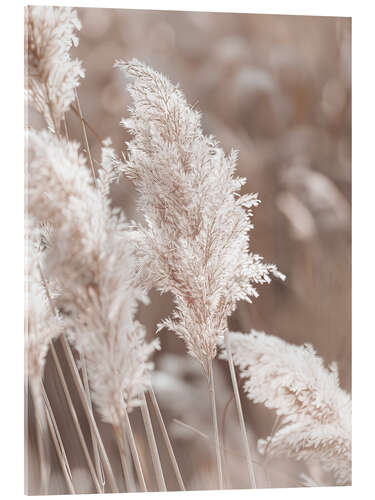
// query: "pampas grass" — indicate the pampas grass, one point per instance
point(52, 76)
point(195, 242)
point(315, 412)
point(89, 269)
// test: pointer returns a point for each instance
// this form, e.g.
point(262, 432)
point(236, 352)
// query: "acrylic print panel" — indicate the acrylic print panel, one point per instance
point(180, 334)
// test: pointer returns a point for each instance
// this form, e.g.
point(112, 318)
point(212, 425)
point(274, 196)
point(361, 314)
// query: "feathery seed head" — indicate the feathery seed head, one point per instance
point(315, 411)
point(52, 76)
point(92, 258)
point(196, 238)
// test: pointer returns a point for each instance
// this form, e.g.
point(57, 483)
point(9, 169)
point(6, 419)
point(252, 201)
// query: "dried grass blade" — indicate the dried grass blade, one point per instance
point(134, 451)
point(211, 389)
point(57, 441)
point(166, 438)
point(250, 468)
point(152, 443)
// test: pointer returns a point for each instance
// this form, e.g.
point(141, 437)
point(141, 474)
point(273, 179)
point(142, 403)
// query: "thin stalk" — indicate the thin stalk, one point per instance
point(127, 459)
point(67, 393)
point(56, 129)
point(98, 464)
point(202, 435)
point(89, 415)
point(65, 128)
point(128, 456)
point(223, 419)
point(250, 467)
point(66, 347)
point(81, 392)
point(211, 390)
point(134, 451)
point(191, 428)
point(57, 441)
point(152, 443)
point(83, 127)
point(125, 466)
point(225, 413)
point(166, 438)
point(97, 136)
point(75, 418)
point(40, 426)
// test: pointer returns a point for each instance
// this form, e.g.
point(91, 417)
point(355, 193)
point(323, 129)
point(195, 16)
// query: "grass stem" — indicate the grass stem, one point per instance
point(57, 441)
point(98, 463)
point(96, 135)
point(41, 427)
point(134, 451)
point(165, 435)
point(211, 389)
point(83, 127)
point(129, 460)
point(90, 417)
point(152, 444)
point(82, 395)
point(124, 464)
point(74, 416)
point(250, 468)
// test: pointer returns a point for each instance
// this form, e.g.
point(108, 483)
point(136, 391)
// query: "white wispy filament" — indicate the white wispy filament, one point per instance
point(92, 257)
point(292, 380)
point(195, 242)
point(52, 76)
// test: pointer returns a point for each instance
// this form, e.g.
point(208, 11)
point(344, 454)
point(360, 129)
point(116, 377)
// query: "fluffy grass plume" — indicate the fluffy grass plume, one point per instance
point(195, 241)
point(315, 411)
point(91, 255)
point(52, 76)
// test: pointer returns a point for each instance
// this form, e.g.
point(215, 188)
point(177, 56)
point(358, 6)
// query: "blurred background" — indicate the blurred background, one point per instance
point(278, 89)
